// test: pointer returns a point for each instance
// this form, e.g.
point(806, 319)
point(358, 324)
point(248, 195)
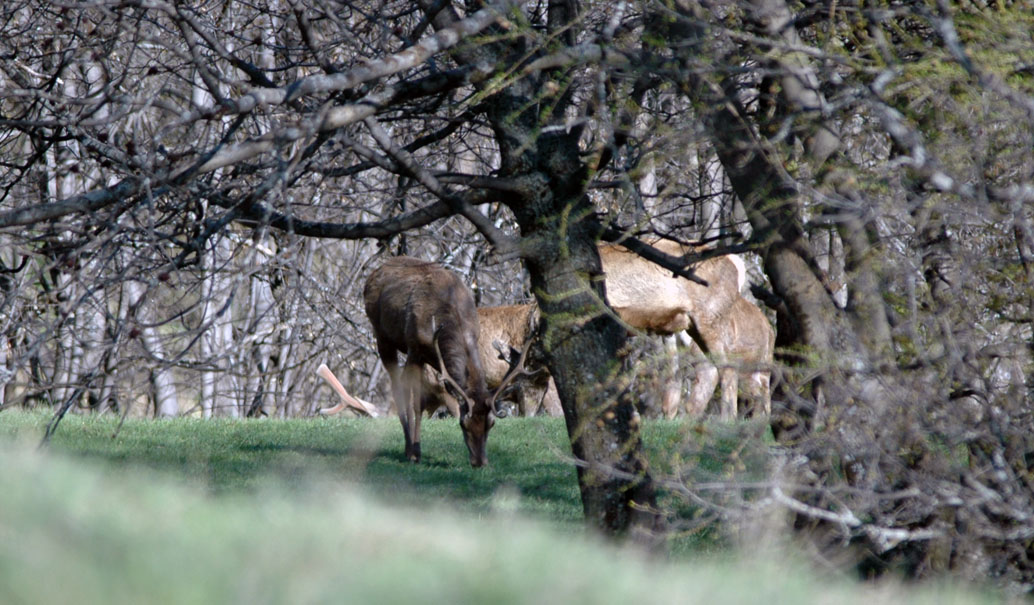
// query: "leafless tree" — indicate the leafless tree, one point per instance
point(190, 192)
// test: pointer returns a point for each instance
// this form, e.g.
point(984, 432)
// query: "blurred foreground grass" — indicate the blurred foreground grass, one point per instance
point(326, 511)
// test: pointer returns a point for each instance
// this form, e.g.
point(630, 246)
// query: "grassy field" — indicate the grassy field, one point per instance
point(326, 510)
point(224, 456)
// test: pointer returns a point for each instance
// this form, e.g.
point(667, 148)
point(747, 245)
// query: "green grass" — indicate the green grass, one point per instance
point(528, 456)
point(326, 510)
point(226, 455)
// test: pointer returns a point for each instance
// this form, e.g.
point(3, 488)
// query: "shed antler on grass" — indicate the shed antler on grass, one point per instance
point(346, 400)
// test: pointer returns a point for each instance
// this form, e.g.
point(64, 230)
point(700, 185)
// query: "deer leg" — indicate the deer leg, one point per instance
point(729, 387)
point(672, 386)
point(551, 401)
point(763, 397)
point(527, 403)
point(703, 387)
point(401, 395)
point(410, 402)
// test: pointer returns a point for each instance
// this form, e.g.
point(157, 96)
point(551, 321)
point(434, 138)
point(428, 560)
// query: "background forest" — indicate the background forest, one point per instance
point(192, 195)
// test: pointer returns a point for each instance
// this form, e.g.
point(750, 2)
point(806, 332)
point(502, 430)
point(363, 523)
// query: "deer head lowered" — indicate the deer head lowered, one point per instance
point(509, 327)
point(424, 311)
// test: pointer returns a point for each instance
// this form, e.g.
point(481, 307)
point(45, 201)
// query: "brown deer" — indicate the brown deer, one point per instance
point(424, 311)
point(508, 327)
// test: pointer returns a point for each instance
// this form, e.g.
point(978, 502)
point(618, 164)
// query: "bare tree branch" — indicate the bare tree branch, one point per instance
point(503, 243)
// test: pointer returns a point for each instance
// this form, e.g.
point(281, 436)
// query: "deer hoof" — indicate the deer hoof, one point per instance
point(413, 453)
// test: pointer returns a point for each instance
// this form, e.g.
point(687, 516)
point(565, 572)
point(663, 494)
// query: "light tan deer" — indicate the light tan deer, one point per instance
point(731, 329)
point(651, 298)
point(743, 345)
point(425, 311)
point(511, 327)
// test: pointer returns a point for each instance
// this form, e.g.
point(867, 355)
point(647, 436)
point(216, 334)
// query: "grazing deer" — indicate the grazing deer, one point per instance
point(425, 311)
point(512, 327)
point(506, 326)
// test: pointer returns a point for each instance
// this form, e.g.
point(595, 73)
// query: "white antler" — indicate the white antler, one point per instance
point(346, 400)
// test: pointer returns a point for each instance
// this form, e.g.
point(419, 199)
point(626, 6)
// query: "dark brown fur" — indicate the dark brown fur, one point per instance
point(413, 304)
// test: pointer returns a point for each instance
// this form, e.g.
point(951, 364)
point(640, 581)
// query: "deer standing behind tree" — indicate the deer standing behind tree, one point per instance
point(732, 331)
point(424, 311)
point(510, 327)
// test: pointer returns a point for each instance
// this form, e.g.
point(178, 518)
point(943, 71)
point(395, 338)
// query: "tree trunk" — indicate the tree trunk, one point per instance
point(162, 383)
point(586, 351)
point(585, 347)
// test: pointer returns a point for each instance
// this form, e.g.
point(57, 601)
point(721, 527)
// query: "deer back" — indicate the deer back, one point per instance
point(651, 298)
